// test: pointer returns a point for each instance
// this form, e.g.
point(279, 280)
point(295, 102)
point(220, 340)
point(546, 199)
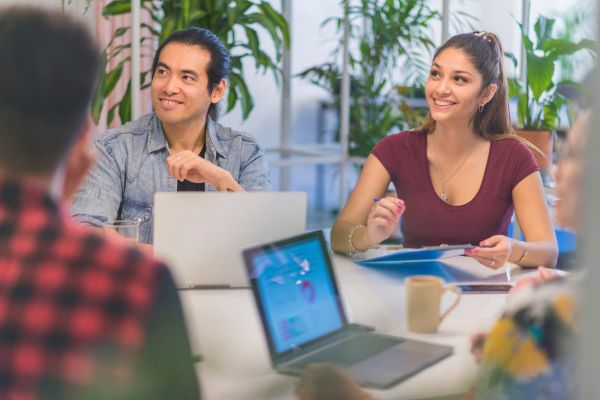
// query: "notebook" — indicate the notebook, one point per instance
point(304, 321)
point(200, 235)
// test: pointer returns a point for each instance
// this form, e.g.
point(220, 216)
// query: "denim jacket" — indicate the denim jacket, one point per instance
point(132, 167)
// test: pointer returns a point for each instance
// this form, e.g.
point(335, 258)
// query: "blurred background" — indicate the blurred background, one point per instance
point(286, 86)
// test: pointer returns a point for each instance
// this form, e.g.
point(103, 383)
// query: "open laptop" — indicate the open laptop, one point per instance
point(200, 235)
point(304, 321)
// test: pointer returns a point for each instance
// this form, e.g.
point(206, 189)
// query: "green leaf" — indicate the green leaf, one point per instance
point(527, 43)
point(98, 96)
point(523, 111)
point(112, 78)
point(268, 25)
point(116, 51)
point(562, 47)
point(552, 112)
point(514, 88)
point(111, 114)
point(198, 14)
point(551, 116)
point(117, 7)
point(512, 58)
point(278, 19)
point(588, 44)
point(238, 84)
point(168, 27)
point(539, 74)
point(252, 40)
point(117, 34)
point(151, 29)
point(125, 105)
point(232, 99)
point(543, 30)
point(185, 12)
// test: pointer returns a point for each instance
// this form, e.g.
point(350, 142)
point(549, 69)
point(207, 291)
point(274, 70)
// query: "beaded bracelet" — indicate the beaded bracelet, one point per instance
point(522, 255)
point(350, 234)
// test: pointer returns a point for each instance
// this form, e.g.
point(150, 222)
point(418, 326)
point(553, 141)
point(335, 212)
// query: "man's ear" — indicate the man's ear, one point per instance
point(488, 94)
point(78, 162)
point(218, 92)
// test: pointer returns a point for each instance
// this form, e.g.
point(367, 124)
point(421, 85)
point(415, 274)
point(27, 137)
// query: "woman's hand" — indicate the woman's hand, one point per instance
point(187, 165)
point(543, 275)
point(492, 252)
point(477, 343)
point(383, 218)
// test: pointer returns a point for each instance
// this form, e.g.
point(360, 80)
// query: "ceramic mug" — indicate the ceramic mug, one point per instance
point(423, 297)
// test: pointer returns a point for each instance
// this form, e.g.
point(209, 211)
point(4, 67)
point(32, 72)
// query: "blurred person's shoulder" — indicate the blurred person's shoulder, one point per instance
point(117, 261)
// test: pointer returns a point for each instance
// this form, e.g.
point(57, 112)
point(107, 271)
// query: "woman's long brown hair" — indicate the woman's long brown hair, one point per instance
point(485, 52)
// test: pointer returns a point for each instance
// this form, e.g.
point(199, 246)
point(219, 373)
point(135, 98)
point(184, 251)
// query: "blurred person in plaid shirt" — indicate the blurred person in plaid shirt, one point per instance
point(81, 316)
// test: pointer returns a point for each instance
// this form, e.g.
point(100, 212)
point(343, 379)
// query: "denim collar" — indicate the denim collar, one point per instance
point(158, 141)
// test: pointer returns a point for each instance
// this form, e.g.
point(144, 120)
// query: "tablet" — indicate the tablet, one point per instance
point(486, 288)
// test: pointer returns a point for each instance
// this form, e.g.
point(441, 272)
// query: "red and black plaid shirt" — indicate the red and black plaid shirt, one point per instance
point(82, 316)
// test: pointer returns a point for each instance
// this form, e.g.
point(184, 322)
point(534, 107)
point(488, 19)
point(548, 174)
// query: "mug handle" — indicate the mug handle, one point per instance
point(458, 292)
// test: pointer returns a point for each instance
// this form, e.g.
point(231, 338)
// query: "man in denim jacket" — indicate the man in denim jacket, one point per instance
point(178, 147)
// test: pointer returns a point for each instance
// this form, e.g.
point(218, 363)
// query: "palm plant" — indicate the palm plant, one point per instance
point(390, 34)
point(538, 101)
point(236, 22)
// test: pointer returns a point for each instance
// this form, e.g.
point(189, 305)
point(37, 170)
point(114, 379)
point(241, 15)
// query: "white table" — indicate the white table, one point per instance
point(225, 329)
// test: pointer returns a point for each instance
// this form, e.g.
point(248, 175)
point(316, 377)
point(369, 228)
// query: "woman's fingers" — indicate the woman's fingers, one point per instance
point(391, 207)
point(489, 261)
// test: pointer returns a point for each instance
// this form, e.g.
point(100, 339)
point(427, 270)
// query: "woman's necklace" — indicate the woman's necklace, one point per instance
point(443, 194)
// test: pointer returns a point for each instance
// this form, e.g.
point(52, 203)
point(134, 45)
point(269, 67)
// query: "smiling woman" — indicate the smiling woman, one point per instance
point(460, 177)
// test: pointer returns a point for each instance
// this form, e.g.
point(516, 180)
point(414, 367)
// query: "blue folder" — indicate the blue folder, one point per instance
point(425, 254)
point(402, 271)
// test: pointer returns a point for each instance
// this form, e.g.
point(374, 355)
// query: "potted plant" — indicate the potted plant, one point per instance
point(235, 22)
point(539, 103)
point(385, 36)
point(390, 51)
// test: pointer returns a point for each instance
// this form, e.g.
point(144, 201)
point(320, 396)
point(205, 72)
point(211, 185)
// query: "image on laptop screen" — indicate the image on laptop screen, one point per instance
point(299, 300)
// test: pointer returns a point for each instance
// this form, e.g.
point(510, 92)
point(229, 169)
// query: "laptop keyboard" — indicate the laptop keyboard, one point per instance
point(351, 351)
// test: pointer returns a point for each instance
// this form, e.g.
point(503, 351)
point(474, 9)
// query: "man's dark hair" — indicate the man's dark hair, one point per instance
point(220, 59)
point(48, 68)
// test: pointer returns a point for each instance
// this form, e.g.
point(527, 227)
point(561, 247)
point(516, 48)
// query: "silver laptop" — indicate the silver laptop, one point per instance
point(201, 235)
point(304, 321)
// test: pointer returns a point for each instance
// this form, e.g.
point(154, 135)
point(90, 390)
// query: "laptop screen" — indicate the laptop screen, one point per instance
point(295, 291)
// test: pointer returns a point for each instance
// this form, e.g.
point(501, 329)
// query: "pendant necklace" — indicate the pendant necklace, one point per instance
point(443, 196)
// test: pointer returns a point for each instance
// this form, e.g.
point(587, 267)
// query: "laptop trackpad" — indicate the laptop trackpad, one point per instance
point(397, 363)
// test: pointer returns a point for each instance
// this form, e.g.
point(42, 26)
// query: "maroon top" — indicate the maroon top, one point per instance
point(429, 221)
